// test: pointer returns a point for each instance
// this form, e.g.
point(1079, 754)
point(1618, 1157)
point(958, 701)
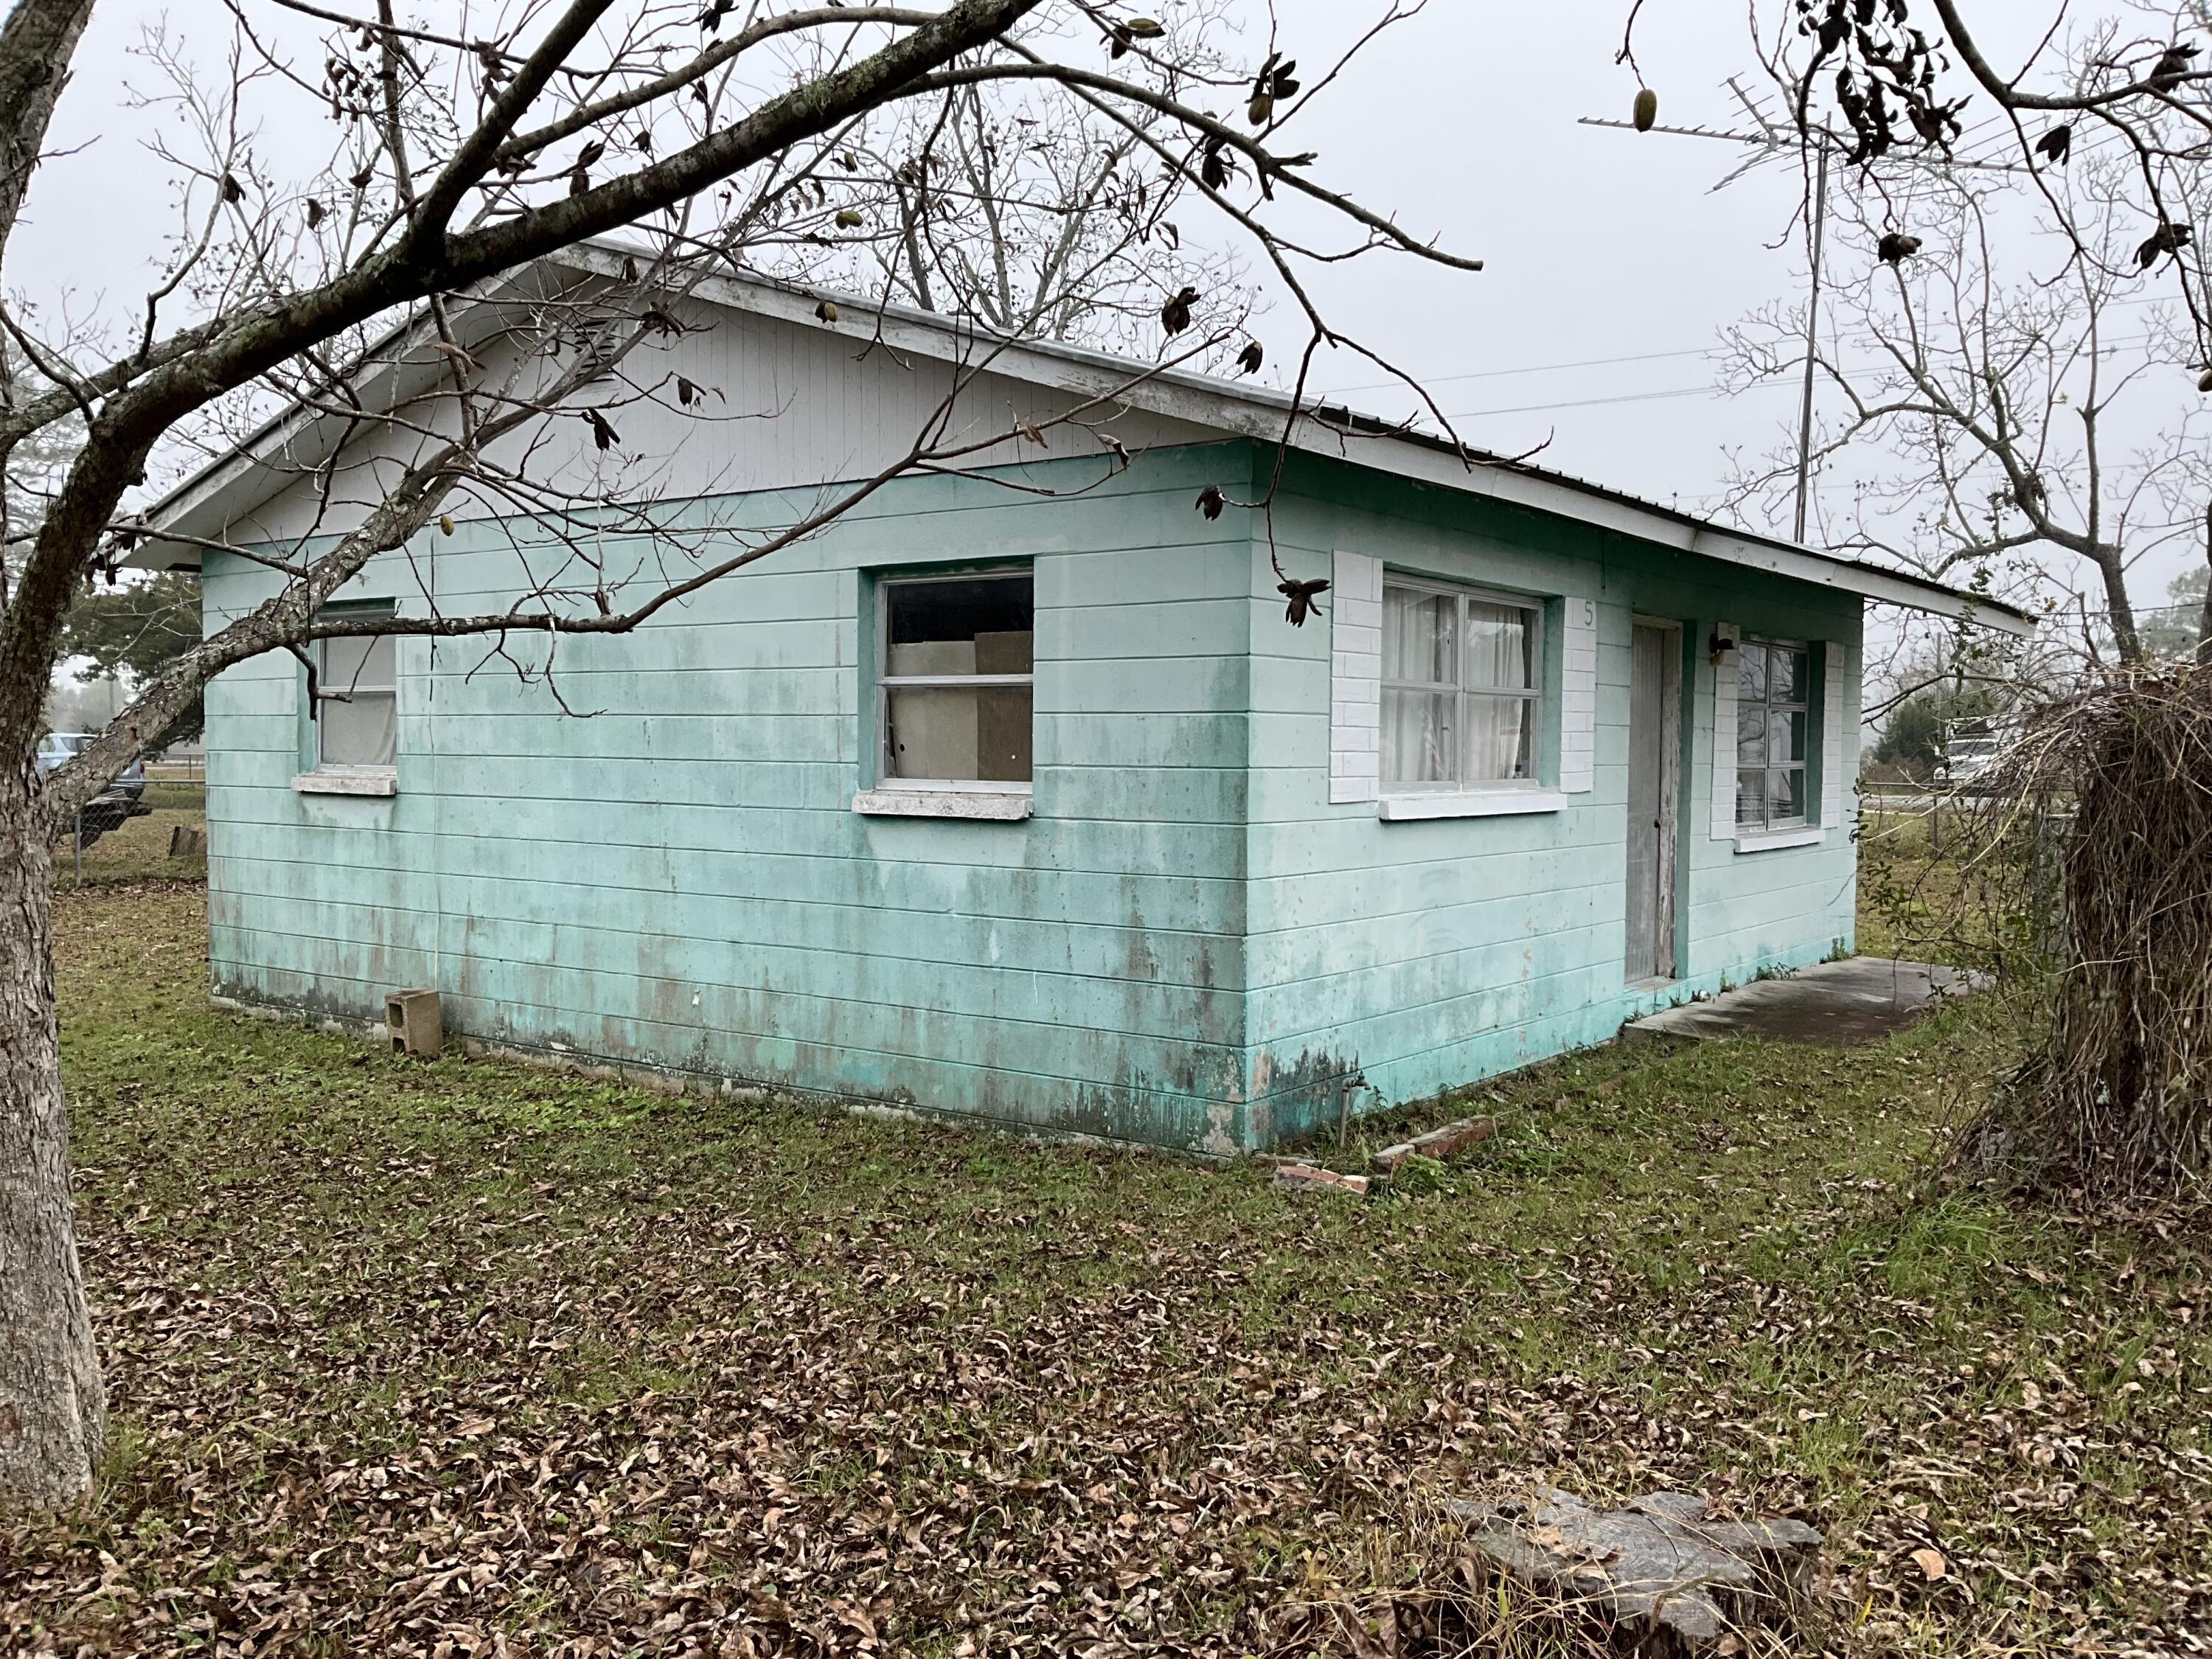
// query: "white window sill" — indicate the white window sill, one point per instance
point(1768, 841)
point(1470, 804)
point(365, 782)
point(1004, 806)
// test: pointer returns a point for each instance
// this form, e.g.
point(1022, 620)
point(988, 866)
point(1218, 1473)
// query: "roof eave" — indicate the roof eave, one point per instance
point(1260, 412)
point(1231, 407)
point(234, 484)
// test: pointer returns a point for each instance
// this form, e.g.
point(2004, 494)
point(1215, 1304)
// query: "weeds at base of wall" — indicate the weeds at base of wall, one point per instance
point(678, 1082)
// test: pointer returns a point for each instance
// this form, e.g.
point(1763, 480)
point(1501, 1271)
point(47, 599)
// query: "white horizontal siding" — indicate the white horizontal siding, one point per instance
point(784, 405)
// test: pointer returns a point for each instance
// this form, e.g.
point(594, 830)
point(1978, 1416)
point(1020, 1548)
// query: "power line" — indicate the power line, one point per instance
point(1773, 141)
point(1776, 140)
point(1706, 390)
point(1651, 356)
point(1777, 143)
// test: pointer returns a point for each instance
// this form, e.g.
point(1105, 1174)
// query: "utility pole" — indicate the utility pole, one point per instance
point(1769, 140)
point(1812, 337)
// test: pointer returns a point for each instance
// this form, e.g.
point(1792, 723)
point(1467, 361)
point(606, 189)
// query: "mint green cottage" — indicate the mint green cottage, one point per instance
point(1012, 795)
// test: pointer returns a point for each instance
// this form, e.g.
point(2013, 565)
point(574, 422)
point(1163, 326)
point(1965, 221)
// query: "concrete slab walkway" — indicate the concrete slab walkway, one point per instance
point(1854, 1001)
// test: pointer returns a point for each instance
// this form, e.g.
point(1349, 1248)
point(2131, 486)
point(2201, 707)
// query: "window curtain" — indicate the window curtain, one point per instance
point(1419, 642)
point(362, 733)
point(1497, 653)
point(1418, 636)
point(1497, 645)
point(1497, 739)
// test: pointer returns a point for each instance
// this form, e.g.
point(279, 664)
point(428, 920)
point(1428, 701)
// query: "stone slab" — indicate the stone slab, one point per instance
point(1854, 1001)
point(1674, 1582)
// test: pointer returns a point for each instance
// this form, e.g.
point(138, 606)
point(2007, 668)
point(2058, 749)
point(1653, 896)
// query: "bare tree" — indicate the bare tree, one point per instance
point(2001, 389)
point(1029, 216)
point(2104, 133)
point(705, 138)
point(2007, 424)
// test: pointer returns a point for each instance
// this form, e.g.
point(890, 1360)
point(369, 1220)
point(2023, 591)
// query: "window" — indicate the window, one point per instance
point(957, 682)
point(1459, 688)
point(356, 702)
point(1773, 680)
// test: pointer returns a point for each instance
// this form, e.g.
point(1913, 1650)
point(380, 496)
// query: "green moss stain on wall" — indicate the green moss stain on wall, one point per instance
point(1427, 954)
point(1185, 945)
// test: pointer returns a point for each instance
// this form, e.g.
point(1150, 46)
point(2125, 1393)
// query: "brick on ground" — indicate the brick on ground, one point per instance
point(1312, 1178)
point(1438, 1143)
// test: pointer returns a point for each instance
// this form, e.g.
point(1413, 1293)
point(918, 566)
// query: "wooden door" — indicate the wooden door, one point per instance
point(1654, 718)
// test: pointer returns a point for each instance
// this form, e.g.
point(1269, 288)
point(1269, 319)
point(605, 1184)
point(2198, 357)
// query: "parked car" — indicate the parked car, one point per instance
point(1972, 747)
point(122, 800)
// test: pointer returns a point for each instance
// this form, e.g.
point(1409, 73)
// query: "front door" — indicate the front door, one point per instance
point(1654, 718)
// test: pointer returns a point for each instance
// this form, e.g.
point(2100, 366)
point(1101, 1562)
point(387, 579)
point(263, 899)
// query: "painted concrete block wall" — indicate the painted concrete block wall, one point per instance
point(1189, 943)
point(677, 877)
point(1425, 954)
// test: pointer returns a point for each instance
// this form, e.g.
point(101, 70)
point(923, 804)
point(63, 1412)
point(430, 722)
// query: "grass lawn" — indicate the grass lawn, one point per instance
point(456, 1357)
point(139, 850)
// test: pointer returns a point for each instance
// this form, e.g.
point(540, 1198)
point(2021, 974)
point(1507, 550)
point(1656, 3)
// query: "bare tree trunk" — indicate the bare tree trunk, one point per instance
point(2204, 621)
point(2120, 612)
point(52, 1406)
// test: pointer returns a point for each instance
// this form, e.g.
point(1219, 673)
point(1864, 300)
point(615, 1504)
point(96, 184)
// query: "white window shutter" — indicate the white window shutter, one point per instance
point(1832, 735)
point(1724, 736)
point(1355, 680)
point(1578, 698)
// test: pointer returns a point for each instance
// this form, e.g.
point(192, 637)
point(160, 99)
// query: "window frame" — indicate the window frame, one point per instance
point(887, 781)
point(323, 685)
point(1537, 611)
point(1767, 823)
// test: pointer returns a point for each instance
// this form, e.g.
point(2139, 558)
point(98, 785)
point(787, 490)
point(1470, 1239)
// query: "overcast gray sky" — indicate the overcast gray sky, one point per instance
point(1598, 244)
point(1602, 245)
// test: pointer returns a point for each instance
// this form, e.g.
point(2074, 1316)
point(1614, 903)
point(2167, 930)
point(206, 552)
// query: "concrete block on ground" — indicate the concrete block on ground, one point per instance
point(412, 1021)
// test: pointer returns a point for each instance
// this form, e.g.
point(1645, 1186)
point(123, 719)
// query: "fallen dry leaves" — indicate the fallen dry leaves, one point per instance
point(464, 1359)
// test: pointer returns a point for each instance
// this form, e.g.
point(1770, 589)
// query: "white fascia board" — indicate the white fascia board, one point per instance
point(1517, 487)
point(398, 368)
point(208, 503)
point(1520, 487)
